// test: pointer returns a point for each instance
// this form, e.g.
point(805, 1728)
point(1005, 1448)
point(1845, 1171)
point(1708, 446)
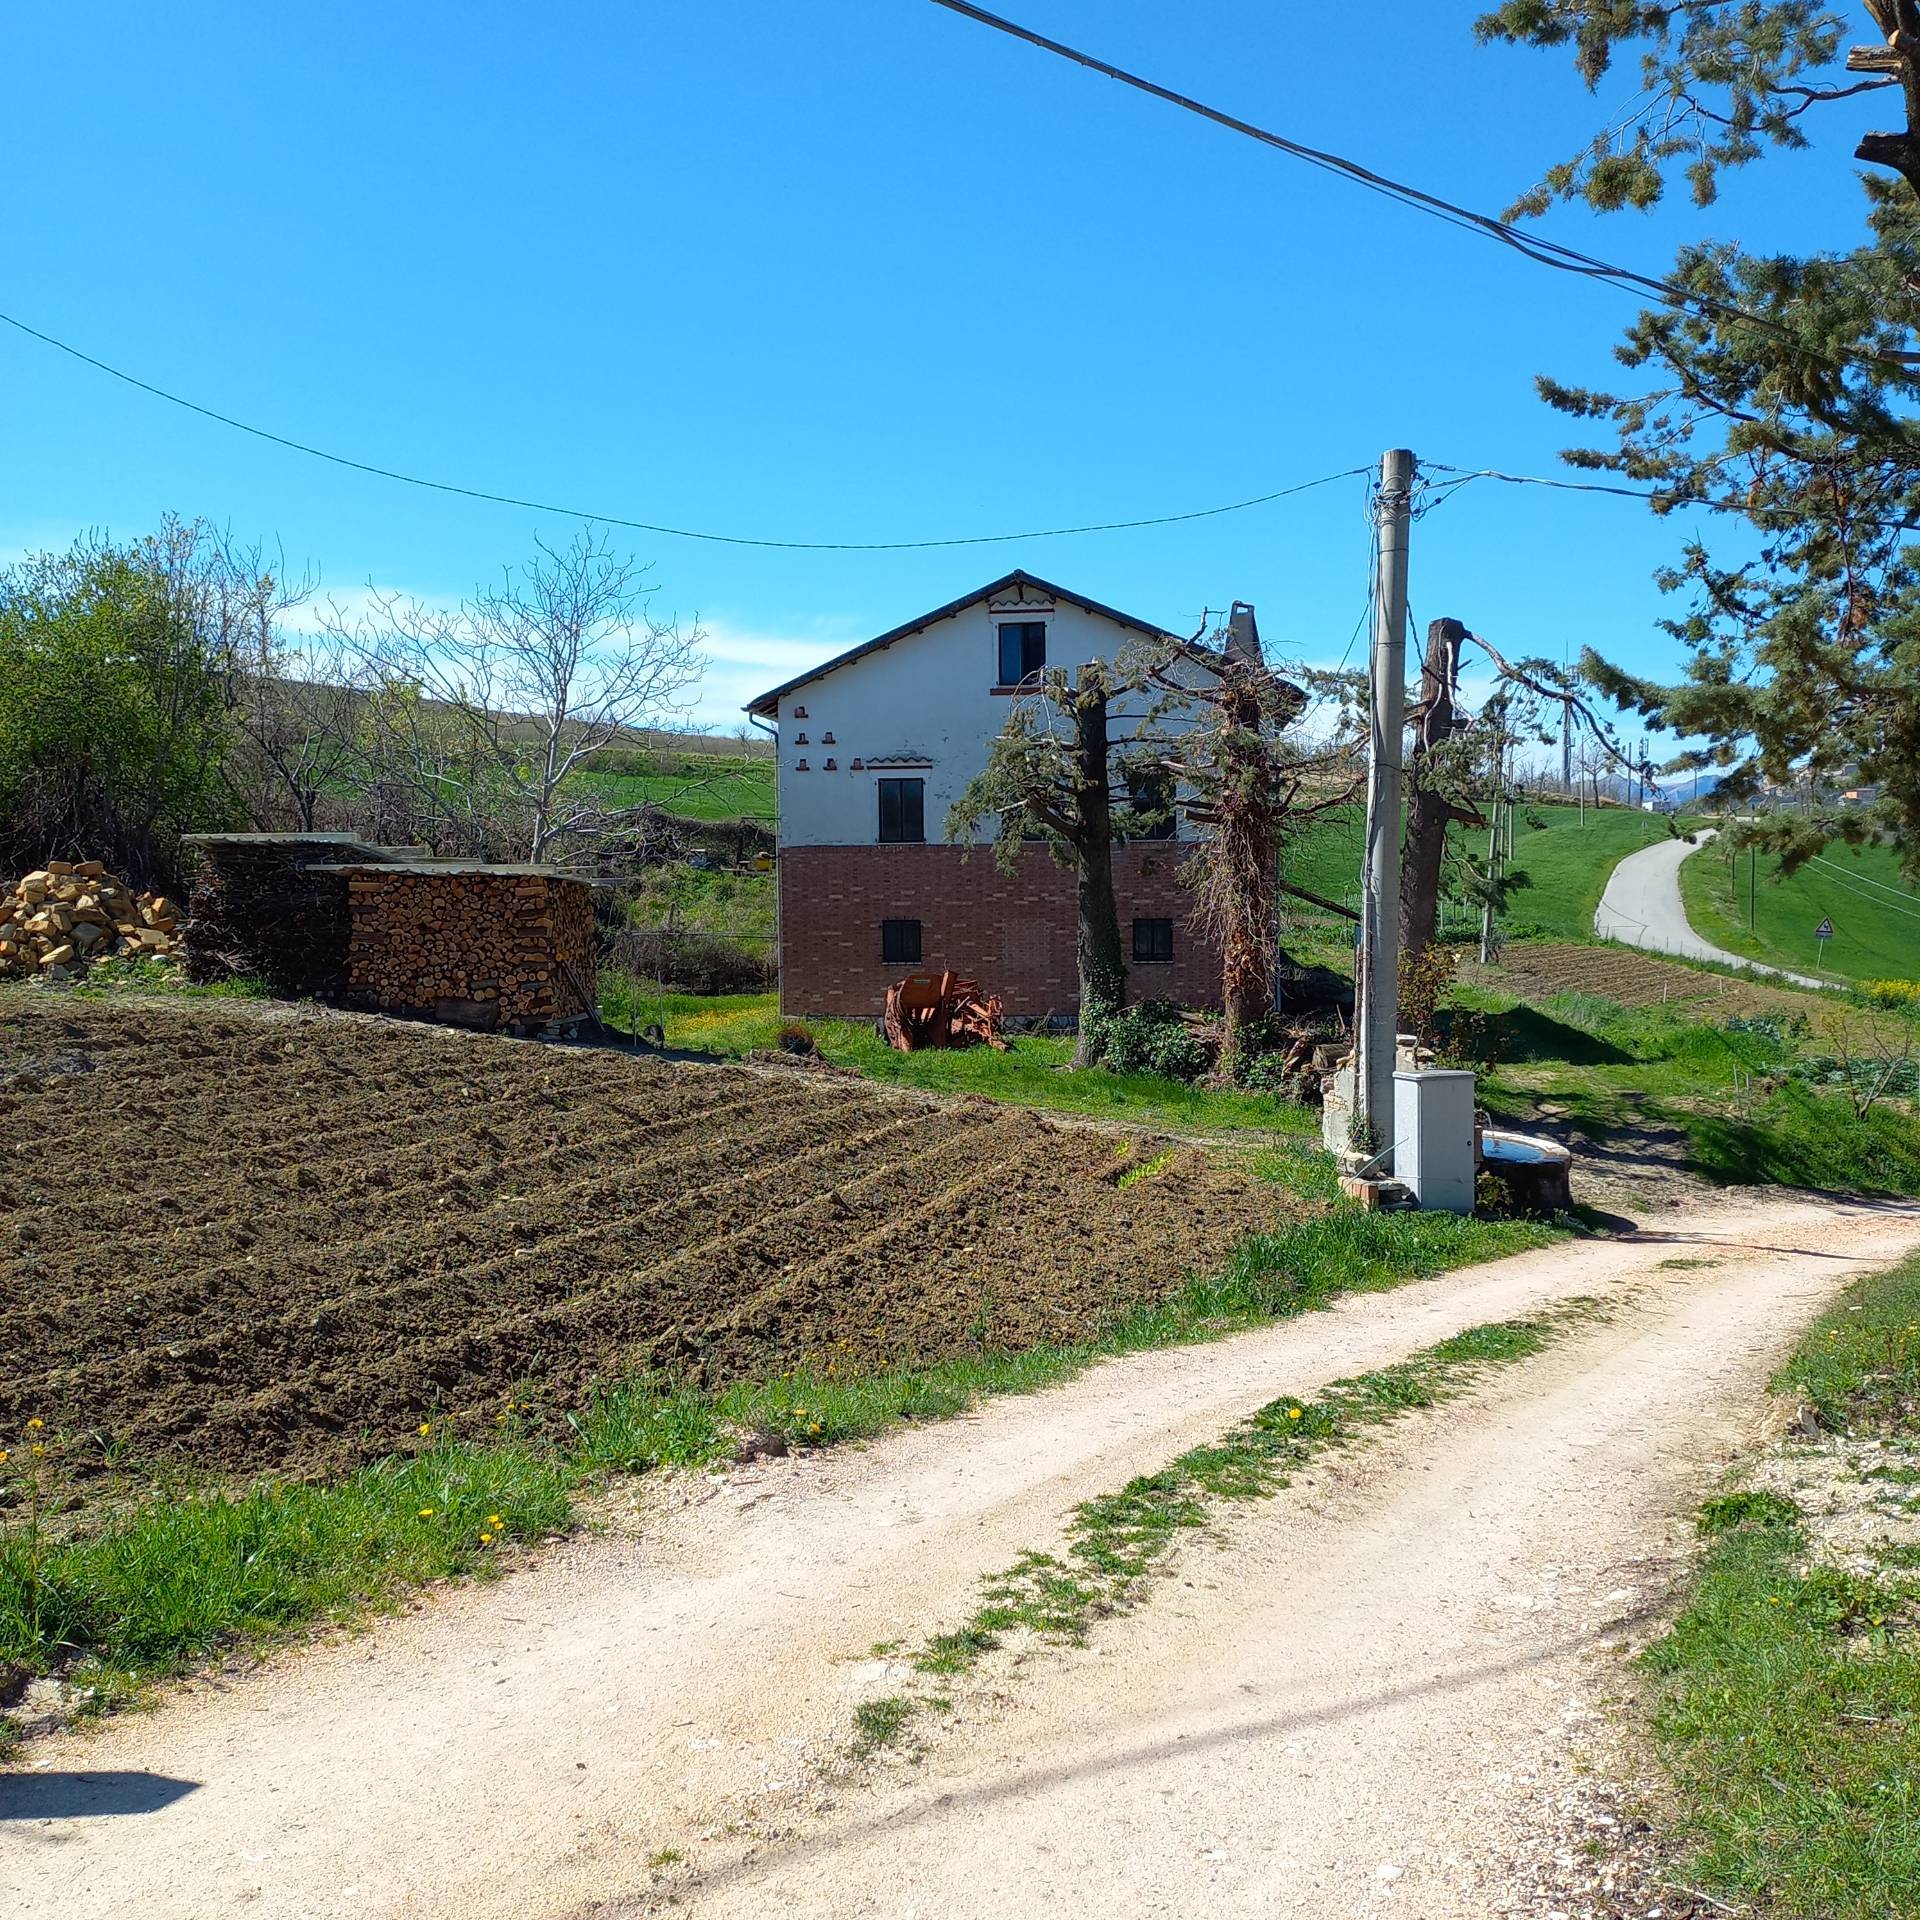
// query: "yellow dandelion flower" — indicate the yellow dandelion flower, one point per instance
point(486, 1539)
point(39, 1452)
point(35, 1424)
point(1293, 1413)
point(5, 1456)
point(426, 1427)
point(815, 1428)
point(425, 1513)
point(494, 1520)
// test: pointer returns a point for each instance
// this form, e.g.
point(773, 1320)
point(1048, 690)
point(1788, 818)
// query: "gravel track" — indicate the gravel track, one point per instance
point(1385, 1667)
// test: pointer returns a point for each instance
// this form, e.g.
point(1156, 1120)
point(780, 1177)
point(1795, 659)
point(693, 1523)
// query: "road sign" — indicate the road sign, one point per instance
point(1824, 931)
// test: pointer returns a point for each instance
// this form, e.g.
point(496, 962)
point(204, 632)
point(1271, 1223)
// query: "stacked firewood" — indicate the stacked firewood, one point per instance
point(485, 946)
point(266, 905)
point(62, 917)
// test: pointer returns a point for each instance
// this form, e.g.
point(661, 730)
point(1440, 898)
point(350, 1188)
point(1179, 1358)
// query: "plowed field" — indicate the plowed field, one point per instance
point(1538, 968)
point(267, 1239)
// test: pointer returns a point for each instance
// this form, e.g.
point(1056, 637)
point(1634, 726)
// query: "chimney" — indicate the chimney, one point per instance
point(1243, 634)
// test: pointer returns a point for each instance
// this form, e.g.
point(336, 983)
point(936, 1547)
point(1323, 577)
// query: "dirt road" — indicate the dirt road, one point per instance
point(1355, 1699)
point(1642, 907)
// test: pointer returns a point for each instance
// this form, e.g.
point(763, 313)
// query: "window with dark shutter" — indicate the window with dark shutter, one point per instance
point(1150, 798)
point(1153, 941)
point(1023, 650)
point(900, 942)
point(903, 809)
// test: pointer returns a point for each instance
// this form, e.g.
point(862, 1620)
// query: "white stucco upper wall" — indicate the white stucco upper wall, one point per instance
point(929, 695)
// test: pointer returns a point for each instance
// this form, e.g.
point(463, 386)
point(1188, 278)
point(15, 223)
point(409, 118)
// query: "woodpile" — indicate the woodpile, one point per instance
point(268, 905)
point(940, 1010)
point(476, 945)
point(64, 916)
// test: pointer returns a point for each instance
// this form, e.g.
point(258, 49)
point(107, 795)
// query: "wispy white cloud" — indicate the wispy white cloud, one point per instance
point(743, 662)
point(740, 661)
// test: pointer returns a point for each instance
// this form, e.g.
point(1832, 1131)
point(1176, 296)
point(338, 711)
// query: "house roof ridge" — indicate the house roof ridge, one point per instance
point(767, 703)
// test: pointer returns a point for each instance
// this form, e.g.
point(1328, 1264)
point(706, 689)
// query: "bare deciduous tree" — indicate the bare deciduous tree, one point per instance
point(495, 709)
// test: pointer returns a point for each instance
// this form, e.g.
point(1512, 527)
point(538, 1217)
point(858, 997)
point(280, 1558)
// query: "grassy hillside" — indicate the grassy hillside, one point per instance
point(1875, 914)
point(1566, 859)
point(703, 786)
point(1568, 863)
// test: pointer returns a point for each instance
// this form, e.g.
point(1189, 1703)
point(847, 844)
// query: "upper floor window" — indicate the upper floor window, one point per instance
point(1023, 651)
point(1150, 798)
point(903, 809)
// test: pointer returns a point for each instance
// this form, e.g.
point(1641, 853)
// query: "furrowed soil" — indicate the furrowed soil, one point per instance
point(1537, 969)
point(255, 1243)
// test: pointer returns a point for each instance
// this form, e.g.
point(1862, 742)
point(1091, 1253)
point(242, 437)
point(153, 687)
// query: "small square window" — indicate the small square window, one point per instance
point(1023, 651)
point(903, 809)
point(1153, 941)
point(900, 943)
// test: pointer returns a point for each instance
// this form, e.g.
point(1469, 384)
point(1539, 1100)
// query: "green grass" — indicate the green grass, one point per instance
point(1875, 914)
point(880, 1723)
point(720, 787)
point(740, 904)
point(1788, 1706)
point(1567, 865)
point(132, 973)
point(168, 1582)
point(1726, 1086)
point(1567, 860)
point(1115, 1541)
point(174, 1580)
point(1033, 1072)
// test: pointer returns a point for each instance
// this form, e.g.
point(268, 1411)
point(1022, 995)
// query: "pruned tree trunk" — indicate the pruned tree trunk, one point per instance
point(1430, 811)
point(1103, 968)
point(1248, 856)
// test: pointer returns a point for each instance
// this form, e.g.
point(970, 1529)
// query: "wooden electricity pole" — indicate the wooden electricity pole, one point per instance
point(1377, 996)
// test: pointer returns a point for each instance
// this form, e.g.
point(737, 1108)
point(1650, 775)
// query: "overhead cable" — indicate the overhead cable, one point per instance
point(1535, 247)
point(647, 526)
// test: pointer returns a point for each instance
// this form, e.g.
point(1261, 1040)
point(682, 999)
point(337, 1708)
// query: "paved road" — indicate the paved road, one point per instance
point(1642, 908)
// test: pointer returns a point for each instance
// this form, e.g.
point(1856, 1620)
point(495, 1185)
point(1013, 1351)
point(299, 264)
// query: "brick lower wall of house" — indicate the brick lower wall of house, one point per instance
point(1013, 932)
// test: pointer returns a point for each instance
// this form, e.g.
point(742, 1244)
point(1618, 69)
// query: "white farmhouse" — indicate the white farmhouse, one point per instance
point(876, 744)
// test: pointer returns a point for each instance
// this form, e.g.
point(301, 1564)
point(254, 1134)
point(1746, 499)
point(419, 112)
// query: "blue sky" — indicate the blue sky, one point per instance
point(857, 270)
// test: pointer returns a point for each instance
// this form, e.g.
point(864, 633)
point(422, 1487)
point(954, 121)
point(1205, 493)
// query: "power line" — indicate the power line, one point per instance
point(1904, 894)
point(1543, 252)
point(645, 526)
point(1912, 912)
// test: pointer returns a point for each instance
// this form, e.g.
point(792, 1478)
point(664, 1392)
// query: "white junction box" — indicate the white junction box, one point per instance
point(1433, 1136)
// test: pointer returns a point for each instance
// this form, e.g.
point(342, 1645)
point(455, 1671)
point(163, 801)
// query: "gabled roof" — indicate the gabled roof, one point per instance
point(768, 703)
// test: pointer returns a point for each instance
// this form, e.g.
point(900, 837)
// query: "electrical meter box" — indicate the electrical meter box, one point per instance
point(1433, 1137)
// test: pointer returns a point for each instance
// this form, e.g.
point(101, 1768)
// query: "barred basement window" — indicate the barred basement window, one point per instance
point(900, 943)
point(1153, 941)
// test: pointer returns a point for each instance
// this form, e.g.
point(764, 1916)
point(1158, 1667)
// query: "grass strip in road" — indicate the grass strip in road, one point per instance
point(175, 1579)
point(1788, 1704)
point(1116, 1541)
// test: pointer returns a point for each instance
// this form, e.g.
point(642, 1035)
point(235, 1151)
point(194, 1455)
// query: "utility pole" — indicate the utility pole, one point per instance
point(1377, 1003)
point(1493, 852)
